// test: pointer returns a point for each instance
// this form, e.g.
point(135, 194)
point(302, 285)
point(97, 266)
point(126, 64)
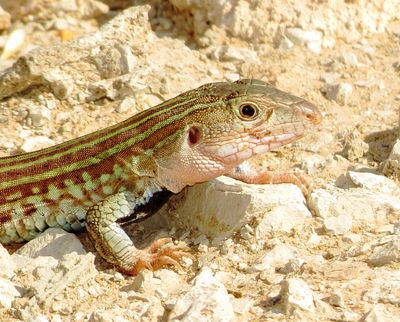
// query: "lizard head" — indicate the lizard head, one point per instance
point(231, 122)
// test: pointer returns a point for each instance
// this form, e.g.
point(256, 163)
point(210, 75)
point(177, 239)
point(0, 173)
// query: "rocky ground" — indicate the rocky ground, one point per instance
point(261, 253)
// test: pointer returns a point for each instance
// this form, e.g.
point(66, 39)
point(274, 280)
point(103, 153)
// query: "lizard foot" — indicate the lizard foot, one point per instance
point(294, 178)
point(158, 255)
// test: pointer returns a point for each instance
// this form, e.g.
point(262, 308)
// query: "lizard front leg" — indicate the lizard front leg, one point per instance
point(249, 173)
point(115, 246)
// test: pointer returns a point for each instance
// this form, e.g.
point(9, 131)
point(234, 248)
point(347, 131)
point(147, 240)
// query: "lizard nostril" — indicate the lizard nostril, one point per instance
point(194, 135)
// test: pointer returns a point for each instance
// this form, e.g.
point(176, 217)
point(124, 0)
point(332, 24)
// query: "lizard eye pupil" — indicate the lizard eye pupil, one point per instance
point(248, 111)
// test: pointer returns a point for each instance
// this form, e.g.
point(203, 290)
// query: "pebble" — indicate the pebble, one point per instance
point(6, 263)
point(338, 225)
point(296, 294)
point(285, 44)
point(312, 163)
point(352, 237)
point(14, 44)
point(207, 300)
point(231, 53)
point(54, 242)
point(329, 78)
point(364, 207)
point(336, 299)
point(349, 58)
point(38, 116)
point(277, 257)
point(385, 254)
point(231, 77)
point(385, 288)
point(378, 314)
point(293, 265)
point(8, 292)
point(372, 182)
point(246, 232)
point(340, 93)
point(128, 104)
point(300, 37)
point(281, 219)
point(38, 142)
point(314, 46)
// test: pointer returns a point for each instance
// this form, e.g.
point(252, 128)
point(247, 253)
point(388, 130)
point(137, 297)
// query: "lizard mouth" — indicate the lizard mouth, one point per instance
point(238, 150)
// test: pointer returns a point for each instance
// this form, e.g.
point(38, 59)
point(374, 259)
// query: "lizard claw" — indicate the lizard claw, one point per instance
point(158, 255)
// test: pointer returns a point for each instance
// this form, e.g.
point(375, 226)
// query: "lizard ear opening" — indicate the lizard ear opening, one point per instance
point(194, 135)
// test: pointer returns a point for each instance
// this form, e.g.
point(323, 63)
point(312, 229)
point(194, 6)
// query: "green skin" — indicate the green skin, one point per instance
point(113, 174)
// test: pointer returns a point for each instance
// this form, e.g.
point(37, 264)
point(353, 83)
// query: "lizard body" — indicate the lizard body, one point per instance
point(127, 170)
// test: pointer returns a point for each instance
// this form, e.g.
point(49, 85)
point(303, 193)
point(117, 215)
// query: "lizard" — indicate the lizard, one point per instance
point(126, 171)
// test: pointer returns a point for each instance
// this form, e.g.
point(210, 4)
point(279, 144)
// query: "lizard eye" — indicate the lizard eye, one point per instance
point(248, 111)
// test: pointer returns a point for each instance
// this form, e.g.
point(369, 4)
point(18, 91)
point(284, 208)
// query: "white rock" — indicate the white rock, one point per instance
point(54, 242)
point(128, 60)
point(339, 93)
point(232, 77)
point(8, 292)
point(61, 83)
point(281, 219)
point(296, 294)
point(328, 42)
point(352, 237)
point(386, 254)
point(170, 281)
point(242, 305)
point(366, 208)
point(144, 282)
point(246, 232)
point(293, 265)
point(28, 264)
point(314, 46)
point(373, 182)
point(379, 314)
point(285, 44)
point(35, 143)
point(231, 53)
point(14, 43)
point(385, 288)
point(329, 78)
point(128, 104)
point(338, 225)
point(335, 299)
point(300, 36)
point(38, 116)
point(206, 203)
point(349, 58)
point(6, 263)
point(311, 163)
point(349, 316)
point(207, 300)
point(277, 257)
point(72, 269)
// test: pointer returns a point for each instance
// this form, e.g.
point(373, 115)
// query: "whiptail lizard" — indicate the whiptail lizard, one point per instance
point(128, 170)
